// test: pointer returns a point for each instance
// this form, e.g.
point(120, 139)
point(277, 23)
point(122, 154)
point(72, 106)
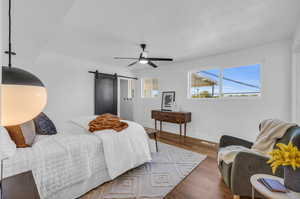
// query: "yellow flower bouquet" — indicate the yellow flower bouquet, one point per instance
point(285, 155)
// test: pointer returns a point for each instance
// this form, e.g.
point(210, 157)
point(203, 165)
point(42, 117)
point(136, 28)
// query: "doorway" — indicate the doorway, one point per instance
point(106, 95)
point(126, 95)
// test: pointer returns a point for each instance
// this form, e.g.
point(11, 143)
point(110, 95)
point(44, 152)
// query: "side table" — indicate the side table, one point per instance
point(257, 186)
point(20, 186)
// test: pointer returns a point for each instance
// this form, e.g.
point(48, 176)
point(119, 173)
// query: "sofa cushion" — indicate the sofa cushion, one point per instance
point(292, 134)
point(225, 170)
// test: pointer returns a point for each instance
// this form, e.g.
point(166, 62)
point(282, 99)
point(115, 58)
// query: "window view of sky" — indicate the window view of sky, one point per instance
point(242, 80)
point(247, 79)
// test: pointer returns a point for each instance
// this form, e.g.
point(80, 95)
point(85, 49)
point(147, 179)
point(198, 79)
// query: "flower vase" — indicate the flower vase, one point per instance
point(292, 178)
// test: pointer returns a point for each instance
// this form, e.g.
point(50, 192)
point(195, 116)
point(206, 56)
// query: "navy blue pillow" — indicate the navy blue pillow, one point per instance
point(43, 125)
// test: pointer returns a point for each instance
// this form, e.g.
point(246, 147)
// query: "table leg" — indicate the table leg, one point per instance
point(155, 125)
point(160, 126)
point(155, 142)
point(180, 129)
point(253, 192)
point(184, 129)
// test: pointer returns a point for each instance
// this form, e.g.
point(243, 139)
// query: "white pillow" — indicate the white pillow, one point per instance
point(83, 121)
point(7, 146)
point(28, 130)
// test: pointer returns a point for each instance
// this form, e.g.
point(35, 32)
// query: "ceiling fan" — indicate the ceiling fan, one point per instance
point(144, 59)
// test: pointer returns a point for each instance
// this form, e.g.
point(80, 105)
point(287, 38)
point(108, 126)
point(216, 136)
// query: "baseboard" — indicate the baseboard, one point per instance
point(187, 139)
point(206, 142)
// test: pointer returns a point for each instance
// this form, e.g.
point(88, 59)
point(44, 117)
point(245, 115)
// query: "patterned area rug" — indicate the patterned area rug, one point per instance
point(153, 180)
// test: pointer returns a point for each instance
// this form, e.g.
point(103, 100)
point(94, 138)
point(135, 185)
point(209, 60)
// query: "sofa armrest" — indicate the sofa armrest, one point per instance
point(244, 166)
point(227, 140)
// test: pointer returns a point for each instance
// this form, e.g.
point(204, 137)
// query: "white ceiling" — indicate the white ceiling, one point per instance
point(98, 30)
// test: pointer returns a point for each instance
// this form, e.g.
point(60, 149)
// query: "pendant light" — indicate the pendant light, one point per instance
point(23, 95)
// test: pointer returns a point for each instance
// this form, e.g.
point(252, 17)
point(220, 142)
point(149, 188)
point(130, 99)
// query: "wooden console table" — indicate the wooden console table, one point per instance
point(172, 117)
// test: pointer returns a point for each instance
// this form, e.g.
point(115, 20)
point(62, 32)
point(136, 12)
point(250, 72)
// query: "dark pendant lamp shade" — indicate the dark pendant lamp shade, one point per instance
point(23, 96)
point(17, 76)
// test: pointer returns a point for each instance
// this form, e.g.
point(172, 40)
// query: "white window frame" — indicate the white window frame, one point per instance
point(221, 69)
point(142, 88)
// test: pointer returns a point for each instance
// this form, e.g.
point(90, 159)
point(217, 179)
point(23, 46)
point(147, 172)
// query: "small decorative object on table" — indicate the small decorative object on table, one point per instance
point(153, 132)
point(168, 100)
point(273, 185)
point(287, 156)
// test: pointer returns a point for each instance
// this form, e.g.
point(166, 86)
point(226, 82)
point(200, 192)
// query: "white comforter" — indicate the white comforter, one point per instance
point(126, 149)
point(58, 161)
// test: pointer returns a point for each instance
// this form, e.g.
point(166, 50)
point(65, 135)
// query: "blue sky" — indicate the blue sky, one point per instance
point(249, 74)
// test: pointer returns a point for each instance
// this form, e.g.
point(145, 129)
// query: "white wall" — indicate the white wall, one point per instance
point(237, 117)
point(70, 87)
point(295, 86)
point(296, 39)
point(295, 76)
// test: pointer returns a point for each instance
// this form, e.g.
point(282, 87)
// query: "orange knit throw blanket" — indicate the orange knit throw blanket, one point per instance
point(107, 121)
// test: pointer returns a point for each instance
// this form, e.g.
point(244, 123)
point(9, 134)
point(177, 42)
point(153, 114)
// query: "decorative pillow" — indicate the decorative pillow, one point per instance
point(23, 135)
point(43, 125)
point(7, 146)
point(16, 135)
point(29, 132)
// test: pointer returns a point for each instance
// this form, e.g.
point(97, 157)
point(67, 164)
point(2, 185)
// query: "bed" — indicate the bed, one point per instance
point(74, 161)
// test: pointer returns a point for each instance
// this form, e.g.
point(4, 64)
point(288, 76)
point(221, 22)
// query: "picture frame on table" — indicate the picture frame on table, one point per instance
point(168, 100)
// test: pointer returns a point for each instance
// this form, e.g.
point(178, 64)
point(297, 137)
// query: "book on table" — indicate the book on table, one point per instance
point(273, 185)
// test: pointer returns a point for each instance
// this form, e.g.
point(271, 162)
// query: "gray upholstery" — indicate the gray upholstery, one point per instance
point(237, 174)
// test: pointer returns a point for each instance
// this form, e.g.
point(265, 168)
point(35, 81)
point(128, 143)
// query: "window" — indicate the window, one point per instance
point(150, 87)
point(241, 81)
point(205, 84)
point(228, 82)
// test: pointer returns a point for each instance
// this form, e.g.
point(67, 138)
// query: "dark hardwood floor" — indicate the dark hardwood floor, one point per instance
point(204, 182)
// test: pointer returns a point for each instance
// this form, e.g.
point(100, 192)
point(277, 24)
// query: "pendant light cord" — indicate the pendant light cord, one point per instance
point(9, 52)
point(9, 34)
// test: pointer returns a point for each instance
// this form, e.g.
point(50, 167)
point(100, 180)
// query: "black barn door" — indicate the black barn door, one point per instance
point(106, 94)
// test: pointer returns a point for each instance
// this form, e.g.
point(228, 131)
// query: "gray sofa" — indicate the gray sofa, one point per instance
point(237, 175)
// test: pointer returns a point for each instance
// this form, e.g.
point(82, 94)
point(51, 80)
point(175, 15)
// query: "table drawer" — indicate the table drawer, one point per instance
point(169, 116)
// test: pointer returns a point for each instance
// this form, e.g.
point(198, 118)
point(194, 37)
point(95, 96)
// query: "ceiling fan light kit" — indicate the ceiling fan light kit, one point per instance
point(144, 59)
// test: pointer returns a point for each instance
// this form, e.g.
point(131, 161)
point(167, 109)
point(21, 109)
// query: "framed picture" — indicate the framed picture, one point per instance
point(167, 101)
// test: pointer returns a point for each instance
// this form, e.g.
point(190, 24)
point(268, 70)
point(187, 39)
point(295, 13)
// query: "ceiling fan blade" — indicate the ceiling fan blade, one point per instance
point(152, 64)
point(159, 59)
point(126, 58)
point(133, 63)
